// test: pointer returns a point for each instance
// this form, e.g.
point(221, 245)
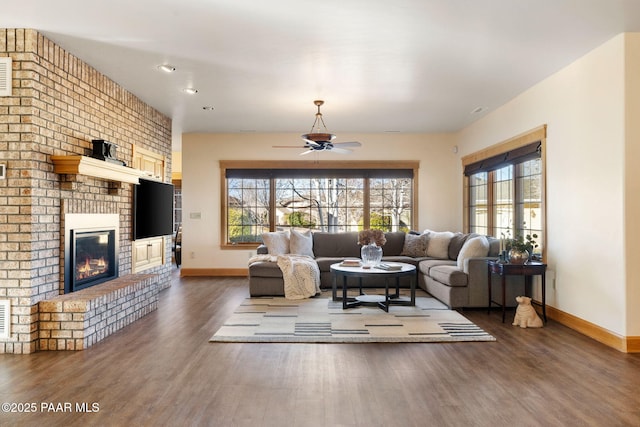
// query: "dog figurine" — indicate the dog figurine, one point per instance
point(526, 316)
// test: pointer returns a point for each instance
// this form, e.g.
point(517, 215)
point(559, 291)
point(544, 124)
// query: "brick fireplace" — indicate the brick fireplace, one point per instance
point(58, 106)
point(77, 318)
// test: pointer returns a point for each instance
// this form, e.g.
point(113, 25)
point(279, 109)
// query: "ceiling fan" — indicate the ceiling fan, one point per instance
point(320, 139)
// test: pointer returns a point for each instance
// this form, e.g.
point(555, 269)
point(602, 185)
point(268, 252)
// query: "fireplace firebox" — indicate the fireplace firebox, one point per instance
point(93, 258)
point(91, 250)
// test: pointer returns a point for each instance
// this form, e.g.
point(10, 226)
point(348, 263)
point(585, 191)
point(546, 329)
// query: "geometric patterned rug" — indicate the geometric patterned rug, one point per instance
point(321, 320)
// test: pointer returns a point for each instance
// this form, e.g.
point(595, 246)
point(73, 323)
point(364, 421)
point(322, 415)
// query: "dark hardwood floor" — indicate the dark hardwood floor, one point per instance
point(163, 371)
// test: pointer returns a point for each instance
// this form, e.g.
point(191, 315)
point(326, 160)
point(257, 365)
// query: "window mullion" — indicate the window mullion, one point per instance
point(491, 203)
point(366, 203)
point(272, 204)
point(518, 220)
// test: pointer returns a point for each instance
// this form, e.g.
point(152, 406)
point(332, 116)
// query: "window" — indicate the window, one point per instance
point(479, 203)
point(504, 191)
point(333, 199)
point(247, 214)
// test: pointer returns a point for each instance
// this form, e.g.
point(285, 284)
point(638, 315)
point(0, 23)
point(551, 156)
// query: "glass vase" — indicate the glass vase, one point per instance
point(371, 255)
point(517, 256)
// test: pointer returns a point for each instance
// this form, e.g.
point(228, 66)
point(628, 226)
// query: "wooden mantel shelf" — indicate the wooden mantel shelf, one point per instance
point(82, 165)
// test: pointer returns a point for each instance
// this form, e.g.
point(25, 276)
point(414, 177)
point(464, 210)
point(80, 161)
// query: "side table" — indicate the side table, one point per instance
point(527, 270)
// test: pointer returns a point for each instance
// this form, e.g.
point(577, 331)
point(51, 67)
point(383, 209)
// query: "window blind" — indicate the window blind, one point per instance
point(317, 173)
point(517, 155)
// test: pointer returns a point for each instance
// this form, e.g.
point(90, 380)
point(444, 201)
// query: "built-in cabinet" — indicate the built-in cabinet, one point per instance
point(151, 164)
point(147, 253)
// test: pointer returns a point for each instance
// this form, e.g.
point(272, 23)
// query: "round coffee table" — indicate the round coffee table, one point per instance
point(399, 270)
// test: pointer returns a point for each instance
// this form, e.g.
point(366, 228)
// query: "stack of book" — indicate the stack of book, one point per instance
point(350, 263)
point(389, 267)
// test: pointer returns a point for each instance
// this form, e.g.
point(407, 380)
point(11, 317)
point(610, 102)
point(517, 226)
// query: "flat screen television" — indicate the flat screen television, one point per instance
point(152, 209)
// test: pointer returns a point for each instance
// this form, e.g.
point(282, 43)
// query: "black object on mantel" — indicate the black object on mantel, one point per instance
point(105, 150)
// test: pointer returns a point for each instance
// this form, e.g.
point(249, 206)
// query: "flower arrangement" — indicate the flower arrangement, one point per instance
point(519, 243)
point(366, 237)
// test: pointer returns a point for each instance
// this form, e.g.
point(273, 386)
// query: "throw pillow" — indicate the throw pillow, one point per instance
point(474, 247)
point(439, 244)
point(277, 242)
point(415, 245)
point(301, 243)
point(456, 243)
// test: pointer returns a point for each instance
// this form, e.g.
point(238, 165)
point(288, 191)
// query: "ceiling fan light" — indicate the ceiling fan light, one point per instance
point(319, 137)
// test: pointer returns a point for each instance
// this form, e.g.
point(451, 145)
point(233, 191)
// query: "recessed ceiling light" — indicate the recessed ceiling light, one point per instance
point(207, 108)
point(190, 90)
point(166, 68)
point(478, 110)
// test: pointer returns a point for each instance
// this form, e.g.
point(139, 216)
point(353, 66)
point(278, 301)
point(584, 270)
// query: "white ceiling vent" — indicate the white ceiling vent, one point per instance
point(5, 318)
point(5, 76)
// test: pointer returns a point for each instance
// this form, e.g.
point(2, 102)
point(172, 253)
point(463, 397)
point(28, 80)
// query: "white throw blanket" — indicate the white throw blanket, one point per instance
point(300, 274)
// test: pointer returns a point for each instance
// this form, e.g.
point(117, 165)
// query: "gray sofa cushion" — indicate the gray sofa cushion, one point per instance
point(265, 269)
point(449, 274)
point(395, 243)
point(345, 245)
point(494, 246)
point(456, 243)
point(425, 266)
point(338, 245)
point(324, 263)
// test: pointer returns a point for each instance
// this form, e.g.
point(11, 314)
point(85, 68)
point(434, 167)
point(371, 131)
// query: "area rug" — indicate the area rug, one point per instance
point(321, 320)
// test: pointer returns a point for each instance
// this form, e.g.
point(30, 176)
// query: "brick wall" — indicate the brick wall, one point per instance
point(59, 104)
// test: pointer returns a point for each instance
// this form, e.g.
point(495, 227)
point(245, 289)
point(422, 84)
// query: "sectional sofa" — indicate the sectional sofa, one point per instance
point(452, 267)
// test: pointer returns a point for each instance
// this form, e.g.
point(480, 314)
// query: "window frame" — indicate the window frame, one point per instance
point(309, 165)
point(511, 145)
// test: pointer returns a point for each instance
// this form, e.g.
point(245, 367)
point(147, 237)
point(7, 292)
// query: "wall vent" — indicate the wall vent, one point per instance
point(5, 76)
point(5, 318)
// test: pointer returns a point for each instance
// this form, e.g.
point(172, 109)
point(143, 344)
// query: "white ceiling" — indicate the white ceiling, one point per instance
point(401, 65)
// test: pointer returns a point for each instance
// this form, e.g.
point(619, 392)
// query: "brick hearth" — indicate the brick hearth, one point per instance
point(77, 320)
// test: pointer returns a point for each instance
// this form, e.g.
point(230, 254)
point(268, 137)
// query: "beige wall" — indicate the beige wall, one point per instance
point(584, 108)
point(439, 168)
point(632, 183)
point(176, 165)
